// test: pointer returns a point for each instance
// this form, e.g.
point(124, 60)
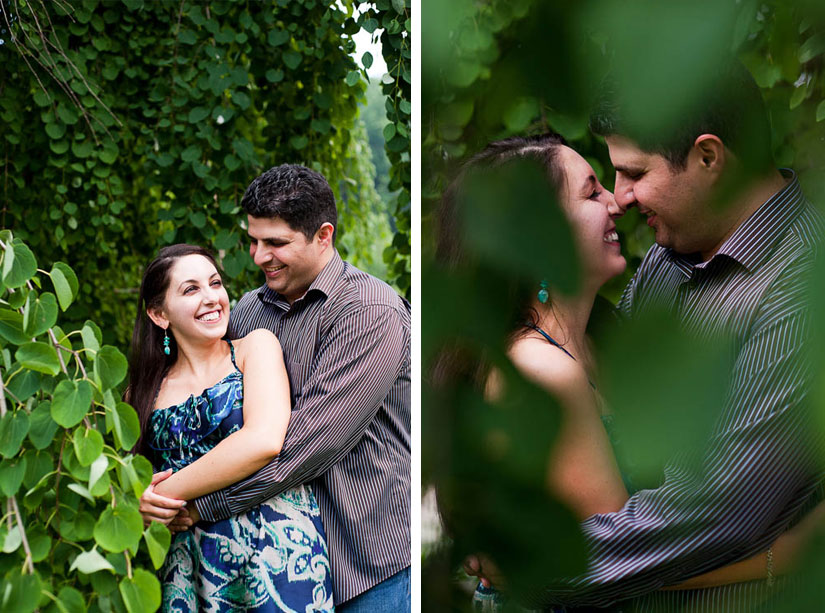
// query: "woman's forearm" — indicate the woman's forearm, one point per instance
point(237, 456)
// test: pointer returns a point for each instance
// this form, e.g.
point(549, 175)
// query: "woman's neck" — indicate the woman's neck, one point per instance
point(197, 361)
point(565, 318)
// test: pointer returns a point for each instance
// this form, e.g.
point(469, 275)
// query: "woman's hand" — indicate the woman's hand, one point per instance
point(154, 507)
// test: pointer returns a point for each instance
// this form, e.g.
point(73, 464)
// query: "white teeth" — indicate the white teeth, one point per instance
point(212, 316)
point(274, 268)
point(611, 237)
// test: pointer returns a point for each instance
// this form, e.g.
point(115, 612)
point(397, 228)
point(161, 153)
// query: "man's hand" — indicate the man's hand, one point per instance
point(154, 507)
point(185, 519)
point(483, 568)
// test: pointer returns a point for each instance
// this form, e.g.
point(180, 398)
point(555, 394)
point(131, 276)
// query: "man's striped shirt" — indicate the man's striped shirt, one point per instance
point(758, 472)
point(346, 345)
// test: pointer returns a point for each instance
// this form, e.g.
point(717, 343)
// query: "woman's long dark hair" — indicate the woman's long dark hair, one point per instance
point(147, 362)
point(455, 362)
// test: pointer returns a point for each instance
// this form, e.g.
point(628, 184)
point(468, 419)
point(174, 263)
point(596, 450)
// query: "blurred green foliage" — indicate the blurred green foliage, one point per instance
point(129, 126)
point(495, 68)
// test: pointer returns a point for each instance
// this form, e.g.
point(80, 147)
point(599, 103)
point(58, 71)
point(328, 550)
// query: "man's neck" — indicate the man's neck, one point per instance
point(748, 201)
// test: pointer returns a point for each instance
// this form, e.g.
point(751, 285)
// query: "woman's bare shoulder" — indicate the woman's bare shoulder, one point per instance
point(257, 341)
point(549, 367)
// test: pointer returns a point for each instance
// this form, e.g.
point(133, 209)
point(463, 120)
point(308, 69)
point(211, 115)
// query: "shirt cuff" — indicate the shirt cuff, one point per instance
point(212, 507)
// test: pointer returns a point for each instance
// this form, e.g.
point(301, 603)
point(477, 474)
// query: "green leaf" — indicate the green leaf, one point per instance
point(109, 153)
point(231, 162)
point(225, 239)
point(72, 400)
point(274, 76)
point(56, 130)
point(141, 592)
point(24, 384)
point(65, 284)
point(135, 473)
point(110, 367)
point(84, 148)
point(398, 5)
point(42, 427)
point(197, 114)
point(820, 111)
point(82, 491)
point(299, 142)
point(97, 470)
point(21, 267)
point(158, 538)
point(119, 529)
point(68, 114)
point(39, 314)
point(241, 99)
point(11, 541)
point(191, 153)
point(21, 592)
point(277, 37)
point(197, 218)
point(40, 357)
point(389, 131)
point(11, 326)
point(366, 59)
point(353, 77)
point(71, 600)
point(292, 59)
point(187, 37)
point(90, 562)
point(91, 335)
point(14, 426)
point(88, 445)
point(11, 475)
point(13, 429)
point(123, 419)
point(244, 150)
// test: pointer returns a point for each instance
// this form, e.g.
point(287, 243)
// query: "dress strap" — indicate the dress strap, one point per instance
point(232, 353)
point(553, 342)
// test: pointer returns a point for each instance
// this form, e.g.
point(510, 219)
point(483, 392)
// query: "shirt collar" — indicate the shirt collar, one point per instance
point(754, 240)
point(324, 283)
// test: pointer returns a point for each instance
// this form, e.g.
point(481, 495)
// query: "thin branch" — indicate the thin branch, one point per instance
point(26, 548)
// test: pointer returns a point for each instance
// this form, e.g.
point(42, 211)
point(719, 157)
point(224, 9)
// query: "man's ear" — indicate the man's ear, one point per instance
point(710, 152)
point(325, 233)
point(156, 315)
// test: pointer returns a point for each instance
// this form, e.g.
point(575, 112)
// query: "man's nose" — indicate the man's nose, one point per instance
point(623, 197)
point(259, 254)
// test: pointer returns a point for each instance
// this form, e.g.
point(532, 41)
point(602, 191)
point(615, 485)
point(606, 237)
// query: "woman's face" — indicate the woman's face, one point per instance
point(196, 305)
point(590, 208)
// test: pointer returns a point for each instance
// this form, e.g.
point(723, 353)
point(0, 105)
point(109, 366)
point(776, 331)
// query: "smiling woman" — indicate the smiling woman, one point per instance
point(213, 412)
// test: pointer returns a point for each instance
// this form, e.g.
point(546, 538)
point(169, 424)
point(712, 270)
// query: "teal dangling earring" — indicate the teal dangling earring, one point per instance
point(166, 349)
point(543, 294)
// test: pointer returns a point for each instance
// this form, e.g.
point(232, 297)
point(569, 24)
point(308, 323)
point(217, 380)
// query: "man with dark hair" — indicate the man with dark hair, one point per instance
point(346, 342)
point(736, 242)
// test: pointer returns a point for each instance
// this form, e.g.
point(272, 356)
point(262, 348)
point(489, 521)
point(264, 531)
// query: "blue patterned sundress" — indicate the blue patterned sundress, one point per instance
point(271, 558)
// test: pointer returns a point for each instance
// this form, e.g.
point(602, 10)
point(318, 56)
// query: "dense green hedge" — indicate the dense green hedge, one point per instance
point(133, 125)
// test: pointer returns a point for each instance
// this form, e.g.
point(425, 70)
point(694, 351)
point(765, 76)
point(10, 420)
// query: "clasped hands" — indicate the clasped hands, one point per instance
point(169, 511)
point(482, 567)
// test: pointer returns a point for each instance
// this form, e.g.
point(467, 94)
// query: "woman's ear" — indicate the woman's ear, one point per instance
point(156, 315)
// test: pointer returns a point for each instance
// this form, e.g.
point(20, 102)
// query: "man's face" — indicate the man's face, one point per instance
point(676, 202)
point(289, 260)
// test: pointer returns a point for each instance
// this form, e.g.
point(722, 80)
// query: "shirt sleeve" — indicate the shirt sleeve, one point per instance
point(356, 365)
point(748, 484)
